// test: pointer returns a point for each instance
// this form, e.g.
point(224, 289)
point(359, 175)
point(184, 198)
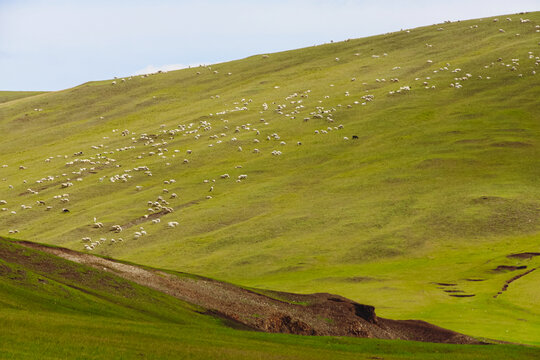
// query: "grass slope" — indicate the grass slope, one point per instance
point(60, 309)
point(6, 96)
point(440, 186)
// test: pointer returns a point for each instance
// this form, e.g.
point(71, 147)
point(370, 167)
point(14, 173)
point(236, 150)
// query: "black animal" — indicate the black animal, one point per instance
point(65, 210)
point(355, 137)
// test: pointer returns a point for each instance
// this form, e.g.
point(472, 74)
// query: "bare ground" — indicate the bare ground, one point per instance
point(313, 314)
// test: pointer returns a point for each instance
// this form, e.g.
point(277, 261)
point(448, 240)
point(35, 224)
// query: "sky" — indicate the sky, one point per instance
point(57, 44)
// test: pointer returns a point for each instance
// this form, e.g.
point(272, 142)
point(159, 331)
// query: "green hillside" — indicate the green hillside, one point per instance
point(406, 195)
point(59, 309)
point(6, 96)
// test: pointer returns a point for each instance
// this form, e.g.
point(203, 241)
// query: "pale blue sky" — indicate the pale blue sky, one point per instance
point(56, 44)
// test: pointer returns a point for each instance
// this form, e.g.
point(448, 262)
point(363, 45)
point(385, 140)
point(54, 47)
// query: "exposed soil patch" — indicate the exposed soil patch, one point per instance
point(503, 268)
point(355, 279)
point(508, 282)
point(462, 295)
point(525, 255)
point(319, 314)
point(446, 284)
point(475, 279)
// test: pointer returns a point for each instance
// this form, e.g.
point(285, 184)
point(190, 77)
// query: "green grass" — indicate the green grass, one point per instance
point(6, 96)
point(441, 185)
point(59, 309)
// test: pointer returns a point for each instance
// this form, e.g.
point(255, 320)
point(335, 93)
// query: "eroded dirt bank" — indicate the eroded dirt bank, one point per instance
point(314, 314)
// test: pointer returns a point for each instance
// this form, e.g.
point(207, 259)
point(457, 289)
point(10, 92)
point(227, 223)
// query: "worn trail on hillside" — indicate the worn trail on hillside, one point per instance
point(315, 314)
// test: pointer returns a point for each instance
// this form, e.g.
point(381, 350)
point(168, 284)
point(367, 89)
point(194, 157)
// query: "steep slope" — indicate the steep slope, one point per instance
point(436, 184)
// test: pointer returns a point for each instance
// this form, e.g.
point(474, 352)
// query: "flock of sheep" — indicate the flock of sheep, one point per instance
point(159, 143)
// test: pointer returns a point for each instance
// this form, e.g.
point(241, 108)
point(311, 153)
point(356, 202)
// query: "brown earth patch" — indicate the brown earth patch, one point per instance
point(504, 268)
point(462, 295)
point(508, 282)
point(355, 279)
point(524, 255)
point(319, 314)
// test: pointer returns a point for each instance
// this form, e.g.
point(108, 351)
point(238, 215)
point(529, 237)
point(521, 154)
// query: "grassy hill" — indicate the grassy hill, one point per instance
point(434, 187)
point(61, 309)
point(6, 96)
